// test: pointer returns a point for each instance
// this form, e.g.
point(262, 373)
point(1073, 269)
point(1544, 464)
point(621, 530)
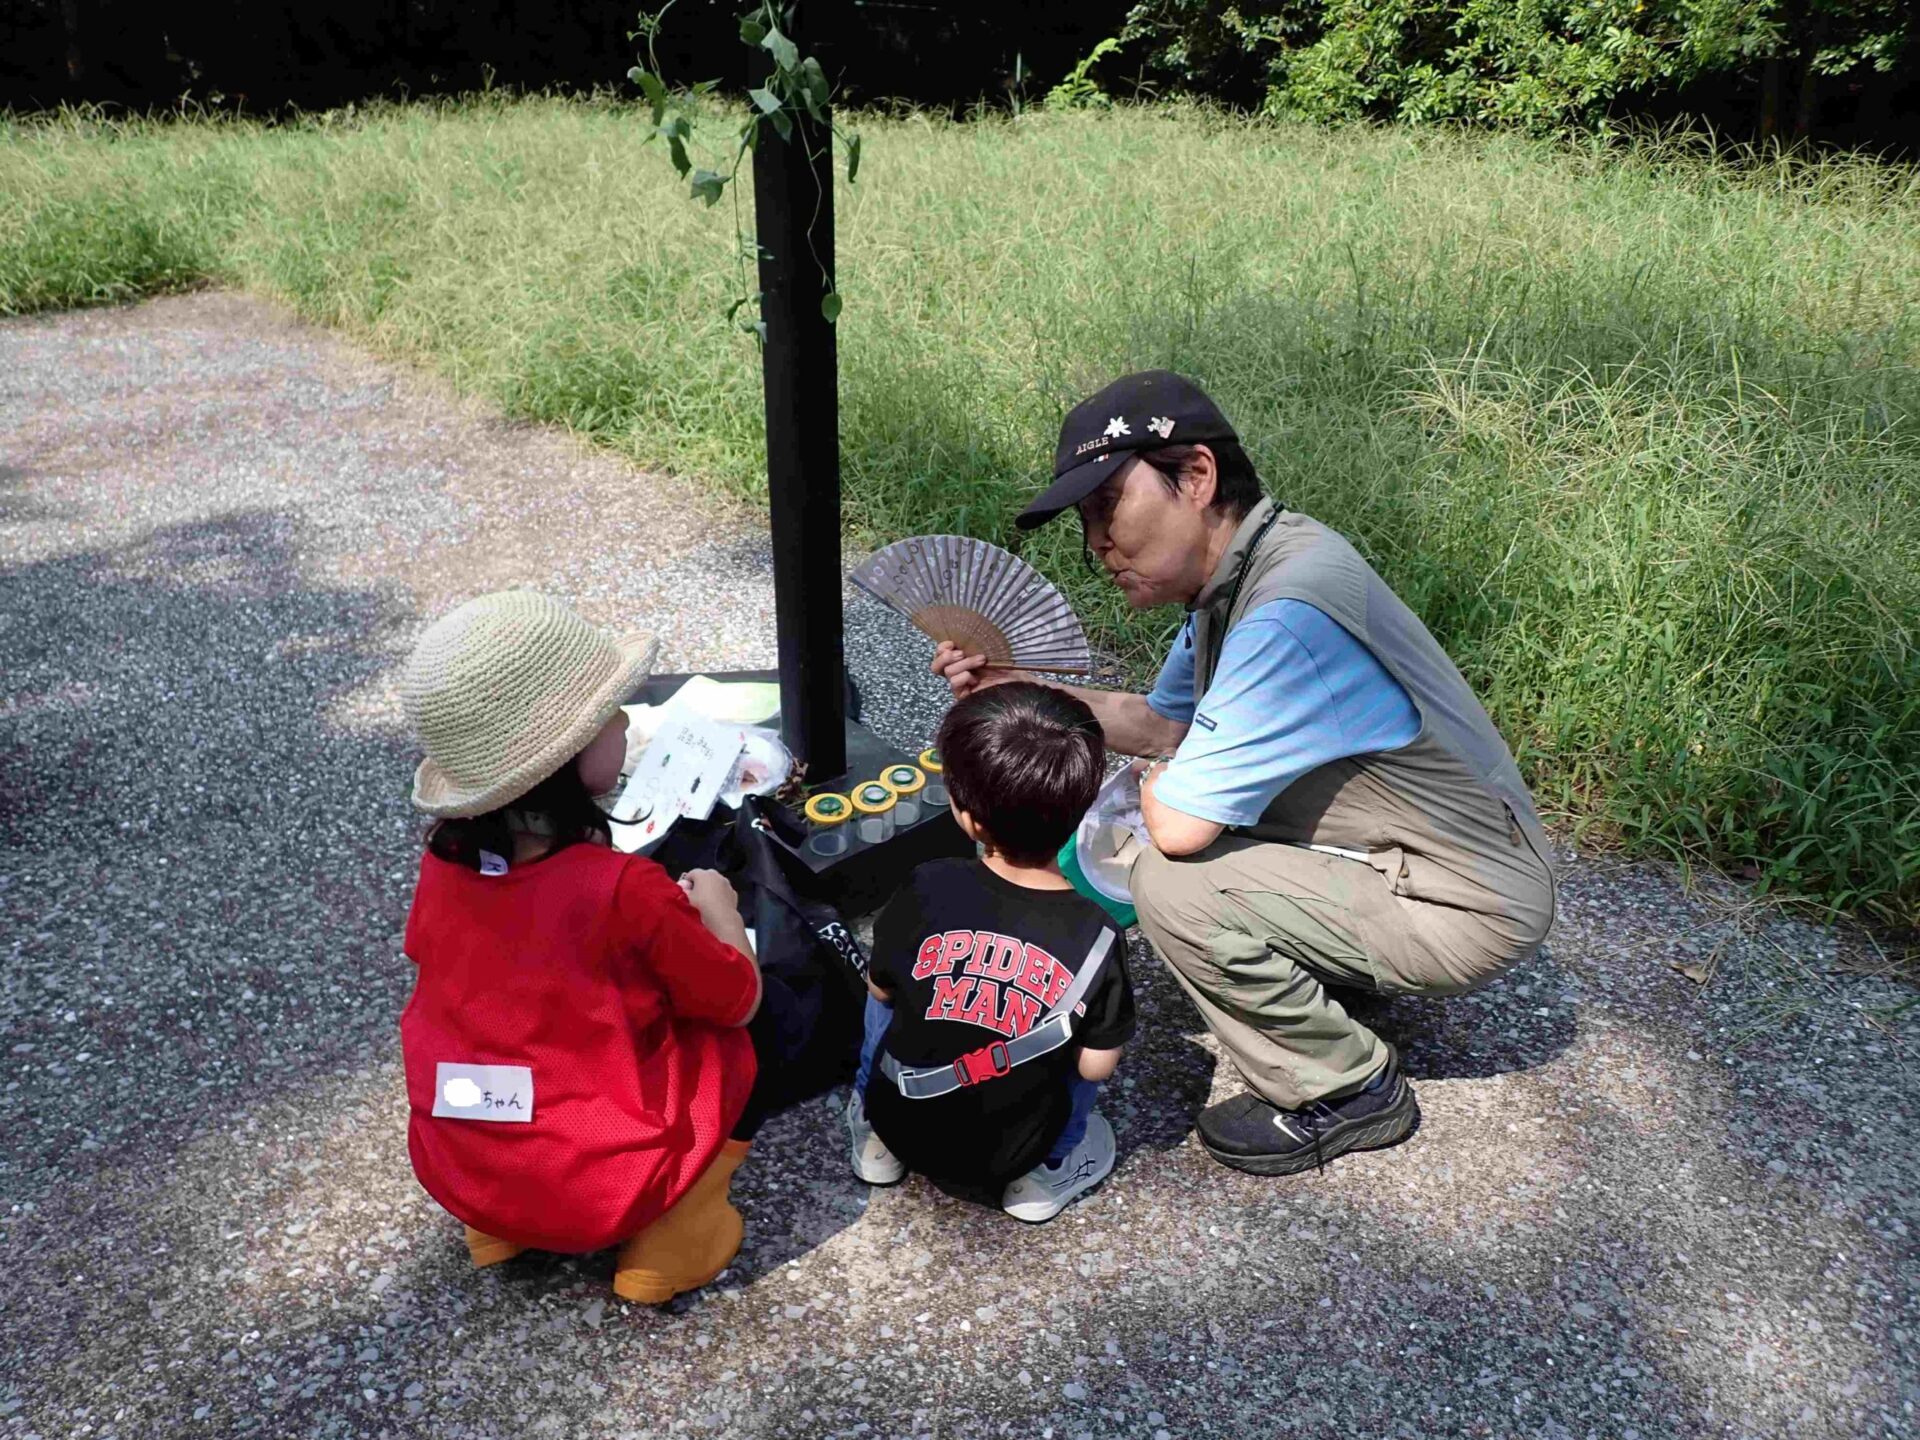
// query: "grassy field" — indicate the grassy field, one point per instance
point(1638, 433)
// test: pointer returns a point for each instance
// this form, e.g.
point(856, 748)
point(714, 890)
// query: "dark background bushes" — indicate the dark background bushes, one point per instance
point(264, 55)
point(1838, 71)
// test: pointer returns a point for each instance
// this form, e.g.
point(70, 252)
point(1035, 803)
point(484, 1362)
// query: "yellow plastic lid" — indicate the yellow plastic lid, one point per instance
point(930, 760)
point(874, 797)
point(827, 808)
point(904, 779)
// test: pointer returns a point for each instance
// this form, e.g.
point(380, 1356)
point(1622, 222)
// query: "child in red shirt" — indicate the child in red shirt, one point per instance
point(590, 1045)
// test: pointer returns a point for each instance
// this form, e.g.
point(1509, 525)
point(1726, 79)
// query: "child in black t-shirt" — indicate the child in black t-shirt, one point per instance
point(1000, 994)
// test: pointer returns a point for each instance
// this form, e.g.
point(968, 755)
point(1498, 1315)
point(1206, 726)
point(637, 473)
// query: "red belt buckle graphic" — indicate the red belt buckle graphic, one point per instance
point(986, 1063)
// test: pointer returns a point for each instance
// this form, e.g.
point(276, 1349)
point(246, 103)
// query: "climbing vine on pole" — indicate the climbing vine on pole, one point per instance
point(796, 86)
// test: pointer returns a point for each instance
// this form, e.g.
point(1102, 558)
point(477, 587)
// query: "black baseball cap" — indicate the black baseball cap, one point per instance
point(1143, 411)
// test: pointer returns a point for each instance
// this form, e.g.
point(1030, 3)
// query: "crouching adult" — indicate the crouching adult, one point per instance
point(1330, 807)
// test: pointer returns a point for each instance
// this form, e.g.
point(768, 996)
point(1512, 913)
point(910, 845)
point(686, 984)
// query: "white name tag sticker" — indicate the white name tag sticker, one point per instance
point(502, 1093)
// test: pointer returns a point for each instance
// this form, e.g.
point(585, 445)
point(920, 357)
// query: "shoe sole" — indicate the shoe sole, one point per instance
point(873, 1176)
point(1036, 1214)
point(1375, 1132)
point(869, 1173)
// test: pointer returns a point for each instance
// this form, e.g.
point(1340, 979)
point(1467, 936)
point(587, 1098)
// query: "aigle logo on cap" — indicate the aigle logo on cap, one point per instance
point(1117, 428)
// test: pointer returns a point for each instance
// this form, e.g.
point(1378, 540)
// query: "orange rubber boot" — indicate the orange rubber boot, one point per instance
point(693, 1242)
point(489, 1249)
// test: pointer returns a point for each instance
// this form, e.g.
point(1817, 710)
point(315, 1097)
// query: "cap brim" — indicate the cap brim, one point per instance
point(1070, 489)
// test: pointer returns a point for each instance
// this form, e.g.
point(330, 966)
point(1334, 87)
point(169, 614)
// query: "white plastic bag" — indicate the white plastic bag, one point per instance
point(1111, 835)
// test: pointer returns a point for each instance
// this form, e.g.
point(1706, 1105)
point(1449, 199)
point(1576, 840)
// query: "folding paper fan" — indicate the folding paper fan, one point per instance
point(982, 598)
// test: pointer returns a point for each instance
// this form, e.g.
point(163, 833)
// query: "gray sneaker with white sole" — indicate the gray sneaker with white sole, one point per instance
point(872, 1161)
point(1044, 1191)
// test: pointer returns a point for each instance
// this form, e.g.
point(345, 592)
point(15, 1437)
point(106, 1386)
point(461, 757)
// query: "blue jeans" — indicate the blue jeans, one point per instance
point(874, 1030)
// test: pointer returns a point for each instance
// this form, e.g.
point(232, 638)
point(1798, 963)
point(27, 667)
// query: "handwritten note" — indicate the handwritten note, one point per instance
point(483, 1092)
point(679, 775)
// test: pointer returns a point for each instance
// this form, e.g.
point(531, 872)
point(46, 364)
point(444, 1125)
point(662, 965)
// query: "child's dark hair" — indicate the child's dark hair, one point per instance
point(559, 806)
point(1025, 761)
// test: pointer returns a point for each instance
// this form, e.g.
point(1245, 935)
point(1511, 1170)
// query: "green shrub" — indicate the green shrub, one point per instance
point(1544, 66)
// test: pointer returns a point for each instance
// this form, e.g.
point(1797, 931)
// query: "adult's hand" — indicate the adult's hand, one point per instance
point(965, 673)
point(1131, 726)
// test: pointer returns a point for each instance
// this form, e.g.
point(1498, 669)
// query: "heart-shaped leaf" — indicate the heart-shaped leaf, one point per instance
point(707, 185)
point(785, 53)
point(815, 80)
point(765, 99)
point(830, 305)
point(677, 149)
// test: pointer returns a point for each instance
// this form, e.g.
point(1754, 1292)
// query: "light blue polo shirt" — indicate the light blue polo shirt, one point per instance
point(1293, 691)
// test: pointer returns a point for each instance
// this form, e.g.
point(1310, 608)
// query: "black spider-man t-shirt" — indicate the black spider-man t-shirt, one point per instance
point(967, 958)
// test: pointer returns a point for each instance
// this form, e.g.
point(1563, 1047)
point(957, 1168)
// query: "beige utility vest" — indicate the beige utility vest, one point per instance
point(1446, 819)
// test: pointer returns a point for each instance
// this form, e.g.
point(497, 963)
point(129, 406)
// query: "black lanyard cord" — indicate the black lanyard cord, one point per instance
point(1246, 562)
point(1214, 644)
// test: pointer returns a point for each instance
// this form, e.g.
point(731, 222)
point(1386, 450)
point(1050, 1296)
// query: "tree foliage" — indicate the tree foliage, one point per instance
point(1539, 64)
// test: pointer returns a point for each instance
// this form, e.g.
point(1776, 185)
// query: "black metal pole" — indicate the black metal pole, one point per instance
point(793, 210)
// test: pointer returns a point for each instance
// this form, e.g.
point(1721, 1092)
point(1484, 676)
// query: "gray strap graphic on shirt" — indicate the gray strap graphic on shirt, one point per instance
point(1043, 1039)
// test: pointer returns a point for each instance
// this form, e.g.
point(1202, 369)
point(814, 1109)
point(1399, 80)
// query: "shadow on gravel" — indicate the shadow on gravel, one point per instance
point(1166, 1075)
point(16, 506)
point(1522, 1021)
point(202, 863)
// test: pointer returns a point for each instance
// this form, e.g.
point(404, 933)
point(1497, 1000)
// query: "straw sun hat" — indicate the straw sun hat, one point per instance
point(506, 690)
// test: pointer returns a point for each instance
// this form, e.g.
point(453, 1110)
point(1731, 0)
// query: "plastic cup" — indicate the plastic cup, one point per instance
point(875, 802)
point(906, 811)
point(935, 794)
point(829, 842)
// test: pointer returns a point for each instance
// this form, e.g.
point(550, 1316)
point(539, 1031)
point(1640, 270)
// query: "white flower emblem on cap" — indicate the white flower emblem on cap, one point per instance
point(1117, 427)
point(1161, 426)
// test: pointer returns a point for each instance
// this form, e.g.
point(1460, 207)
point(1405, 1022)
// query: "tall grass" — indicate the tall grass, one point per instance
point(1637, 432)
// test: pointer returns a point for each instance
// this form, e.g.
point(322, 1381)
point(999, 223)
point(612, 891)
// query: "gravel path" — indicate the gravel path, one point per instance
point(1637, 1205)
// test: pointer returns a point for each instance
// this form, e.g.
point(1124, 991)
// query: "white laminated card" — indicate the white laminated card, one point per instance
point(501, 1093)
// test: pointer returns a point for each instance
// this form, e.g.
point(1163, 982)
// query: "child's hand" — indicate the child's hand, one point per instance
point(713, 900)
point(710, 892)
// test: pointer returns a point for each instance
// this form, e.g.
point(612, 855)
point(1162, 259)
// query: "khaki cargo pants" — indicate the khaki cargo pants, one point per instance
point(1255, 931)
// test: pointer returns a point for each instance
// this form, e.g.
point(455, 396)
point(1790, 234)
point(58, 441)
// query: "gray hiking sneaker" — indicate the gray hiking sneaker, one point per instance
point(872, 1161)
point(1044, 1191)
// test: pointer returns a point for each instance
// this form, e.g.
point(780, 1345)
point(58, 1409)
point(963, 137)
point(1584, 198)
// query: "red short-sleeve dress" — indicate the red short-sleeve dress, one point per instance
point(572, 1047)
